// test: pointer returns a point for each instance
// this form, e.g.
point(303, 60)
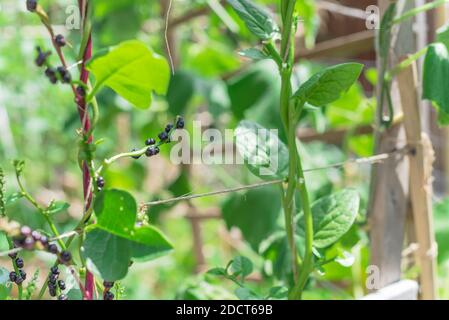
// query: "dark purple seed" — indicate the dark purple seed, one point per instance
point(53, 278)
point(108, 284)
point(65, 256)
point(52, 248)
point(168, 127)
point(23, 274)
point(150, 152)
point(19, 263)
point(180, 123)
point(150, 142)
point(54, 270)
point(135, 157)
point(31, 5)
point(52, 291)
point(12, 276)
point(60, 40)
point(157, 150)
point(163, 136)
point(61, 284)
point(100, 182)
point(63, 297)
point(19, 280)
point(13, 255)
point(108, 295)
point(81, 91)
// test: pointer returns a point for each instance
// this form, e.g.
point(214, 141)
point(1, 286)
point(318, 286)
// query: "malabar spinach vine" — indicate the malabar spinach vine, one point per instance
point(318, 224)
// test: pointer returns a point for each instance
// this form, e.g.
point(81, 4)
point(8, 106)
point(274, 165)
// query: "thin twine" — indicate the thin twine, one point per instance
point(167, 43)
point(368, 160)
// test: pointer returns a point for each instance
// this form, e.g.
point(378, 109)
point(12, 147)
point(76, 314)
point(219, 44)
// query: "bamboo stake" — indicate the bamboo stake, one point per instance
point(420, 181)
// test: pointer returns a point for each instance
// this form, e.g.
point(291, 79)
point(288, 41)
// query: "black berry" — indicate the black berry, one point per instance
point(135, 157)
point(41, 58)
point(64, 74)
point(60, 40)
point(65, 256)
point(51, 75)
point(108, 284)
point(52, 291)
point(63, 297)
point(157, 150)
point(19, 263)
point(52, 248)
point(150, 152)
point(19, 280)
point(13, 276)
point(100, 182)
point(31, 5)
point(81, 91)
point(23, 274)
point(180, 123)
point(168, 128)
point(108, 295)
point(54, 270)
point(61, 284)
point(53, 278)
point(163, 136)
point(150, 142)
point(13, 255)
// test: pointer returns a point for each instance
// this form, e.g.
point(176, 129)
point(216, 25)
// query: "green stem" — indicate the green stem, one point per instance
point(413, 12)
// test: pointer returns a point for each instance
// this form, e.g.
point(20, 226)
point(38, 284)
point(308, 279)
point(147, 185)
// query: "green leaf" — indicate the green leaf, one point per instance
point(255, 213)
point(12, 198)
point(115, 240)
point(217, 272)
point(56, 207)
point(246, 294)
point(329, 84)
point(264, 154)
point(384, 36)
point(256, 19)
point(133, 71)
point(254, 54)
point(241, 267)
point(4, 244)
point(333, 216)
point(436, 80)
point(180, 92)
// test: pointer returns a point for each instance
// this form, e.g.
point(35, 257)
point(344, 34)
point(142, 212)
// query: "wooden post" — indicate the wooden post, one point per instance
point(389, 181)
point(421, 159)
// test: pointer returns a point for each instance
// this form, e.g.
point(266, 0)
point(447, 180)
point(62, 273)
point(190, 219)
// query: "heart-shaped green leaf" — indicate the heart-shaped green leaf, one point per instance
point(115, 239)
point(329, 84)
point(333, 216)
point(265, 155)
point(132, 70)
point(256, 19)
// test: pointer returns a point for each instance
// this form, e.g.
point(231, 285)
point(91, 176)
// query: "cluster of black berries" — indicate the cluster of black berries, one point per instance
point(31, 5)
point(164, 137)
point(100, 183)
point(29, 240)
point(55, 285)
point(108, 295)
point(20, 276)
point(60, 73)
